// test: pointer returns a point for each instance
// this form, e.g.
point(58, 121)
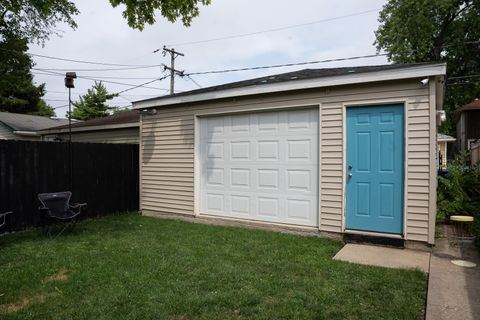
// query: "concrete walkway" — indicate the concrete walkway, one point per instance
point(453, 291)
point(384, 257)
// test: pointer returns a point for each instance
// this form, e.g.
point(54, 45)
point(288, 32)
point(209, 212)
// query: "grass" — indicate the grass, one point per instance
point(133, 267)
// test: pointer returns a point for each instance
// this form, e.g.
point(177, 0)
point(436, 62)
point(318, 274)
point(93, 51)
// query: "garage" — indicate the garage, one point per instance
point(347, 150)
point(261, 166)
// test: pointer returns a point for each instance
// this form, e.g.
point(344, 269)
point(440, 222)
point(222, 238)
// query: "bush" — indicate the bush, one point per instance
point(458, 192)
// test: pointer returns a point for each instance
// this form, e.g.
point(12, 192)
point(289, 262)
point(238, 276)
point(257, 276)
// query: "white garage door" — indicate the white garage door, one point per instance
point(261, 166)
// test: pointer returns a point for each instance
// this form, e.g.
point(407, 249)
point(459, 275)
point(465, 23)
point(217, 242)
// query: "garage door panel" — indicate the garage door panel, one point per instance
point(215, 150)
point(240, 150)
point(261, 166)
point(268, 150)
point(240, 178)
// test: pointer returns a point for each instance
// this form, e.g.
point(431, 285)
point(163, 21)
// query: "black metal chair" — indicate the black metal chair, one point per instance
point(56, 208)
point(2, 218)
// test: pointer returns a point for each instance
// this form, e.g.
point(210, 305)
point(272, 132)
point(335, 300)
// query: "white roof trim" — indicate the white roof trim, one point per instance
point(354, 78)
point(91, 128)
point(446, 139)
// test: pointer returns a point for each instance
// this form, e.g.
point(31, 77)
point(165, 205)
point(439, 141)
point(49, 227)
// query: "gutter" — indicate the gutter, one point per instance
point(27, 133)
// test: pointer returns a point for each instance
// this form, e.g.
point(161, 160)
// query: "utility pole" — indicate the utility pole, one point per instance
point(173, 55)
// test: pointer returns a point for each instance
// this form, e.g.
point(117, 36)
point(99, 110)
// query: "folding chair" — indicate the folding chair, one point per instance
point(56, 208)
point(2, 218)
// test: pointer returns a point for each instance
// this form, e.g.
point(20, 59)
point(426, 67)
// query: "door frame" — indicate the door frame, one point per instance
point(373, 103)
point(198, 115)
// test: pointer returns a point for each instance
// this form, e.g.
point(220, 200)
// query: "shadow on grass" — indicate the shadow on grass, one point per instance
point(84, 227)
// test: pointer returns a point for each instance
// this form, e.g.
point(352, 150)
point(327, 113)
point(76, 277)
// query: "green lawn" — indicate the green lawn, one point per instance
point(133, 267)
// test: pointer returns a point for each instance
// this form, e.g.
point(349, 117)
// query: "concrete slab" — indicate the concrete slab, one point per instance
point(453, 291)
point(384, 257)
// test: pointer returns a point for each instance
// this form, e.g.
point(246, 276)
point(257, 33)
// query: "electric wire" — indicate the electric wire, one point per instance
point(105, 81)
point(242, 35)
point(286, 65)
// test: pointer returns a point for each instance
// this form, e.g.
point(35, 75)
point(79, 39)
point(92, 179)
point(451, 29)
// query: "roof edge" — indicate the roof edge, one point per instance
point(91, 128)
point(435, 69)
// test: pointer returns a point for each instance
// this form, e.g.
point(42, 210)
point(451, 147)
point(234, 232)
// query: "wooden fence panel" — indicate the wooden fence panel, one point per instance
point(475, 153)
point(106, 176)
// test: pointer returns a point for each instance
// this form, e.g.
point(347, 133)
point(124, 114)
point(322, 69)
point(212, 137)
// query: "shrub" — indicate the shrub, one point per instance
point(458, 192)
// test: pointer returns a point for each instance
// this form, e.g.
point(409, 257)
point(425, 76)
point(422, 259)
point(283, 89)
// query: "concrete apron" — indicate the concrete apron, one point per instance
point(384, 257)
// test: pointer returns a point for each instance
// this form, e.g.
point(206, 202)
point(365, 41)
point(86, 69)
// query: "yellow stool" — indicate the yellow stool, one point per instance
point(462, 229)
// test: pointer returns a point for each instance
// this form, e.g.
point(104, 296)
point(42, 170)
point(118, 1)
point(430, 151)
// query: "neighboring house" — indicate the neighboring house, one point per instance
point(468, 128)
point(15, 126)
point(341, 150)
point(442, 144)
point(118, 128)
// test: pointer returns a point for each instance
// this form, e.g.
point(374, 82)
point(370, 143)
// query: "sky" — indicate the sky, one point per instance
point(340, 29)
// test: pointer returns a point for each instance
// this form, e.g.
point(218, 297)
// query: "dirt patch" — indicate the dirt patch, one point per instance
point(59, 276)
point(24, 302)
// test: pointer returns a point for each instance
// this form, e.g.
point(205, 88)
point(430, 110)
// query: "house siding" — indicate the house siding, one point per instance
point(167, 149)
point(127, 135)
point(6, 133)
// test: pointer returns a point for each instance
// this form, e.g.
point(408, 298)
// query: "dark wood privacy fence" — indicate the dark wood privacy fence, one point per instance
point(104, 175)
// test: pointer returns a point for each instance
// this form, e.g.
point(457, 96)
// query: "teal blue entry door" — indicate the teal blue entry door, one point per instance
point(375, 168)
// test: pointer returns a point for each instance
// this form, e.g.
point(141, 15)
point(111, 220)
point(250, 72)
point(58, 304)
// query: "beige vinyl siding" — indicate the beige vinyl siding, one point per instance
point(331, 173)
point(126, 135)
point(418, 169)
point(168, 148)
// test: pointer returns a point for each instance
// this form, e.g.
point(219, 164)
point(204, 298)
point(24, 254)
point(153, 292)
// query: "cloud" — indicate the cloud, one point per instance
point(103, 35)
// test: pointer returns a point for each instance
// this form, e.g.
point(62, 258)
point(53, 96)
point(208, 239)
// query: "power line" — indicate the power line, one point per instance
point(465, 77)
point(75, 61)
point(64, 106)
point(55, 100)
point(104, 69)
point(99, 78)
point(242, 35)
point(83, 61)
point(142, 85)
point(462, 83)
point(105, 81)
point(104, 77)
point(76, 92)
point(286, 65)
point(198, 85)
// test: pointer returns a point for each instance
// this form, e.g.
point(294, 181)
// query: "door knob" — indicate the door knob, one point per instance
point(350, 175)
point(350, 166)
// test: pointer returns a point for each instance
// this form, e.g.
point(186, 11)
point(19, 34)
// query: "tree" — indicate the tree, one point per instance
point(139, 13)
point(434, 31)
point(17, 92)
point(36, 20)
point(93, 103)
point(44, 110)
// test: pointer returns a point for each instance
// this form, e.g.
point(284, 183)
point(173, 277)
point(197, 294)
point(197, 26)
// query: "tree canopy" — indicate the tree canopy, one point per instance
point(36, 20)
point(140, 13)
point(436, 30)
point(18, 93)
point(93, 104)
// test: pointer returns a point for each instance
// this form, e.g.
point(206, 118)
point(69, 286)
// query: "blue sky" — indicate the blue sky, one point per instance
point(103, 35)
